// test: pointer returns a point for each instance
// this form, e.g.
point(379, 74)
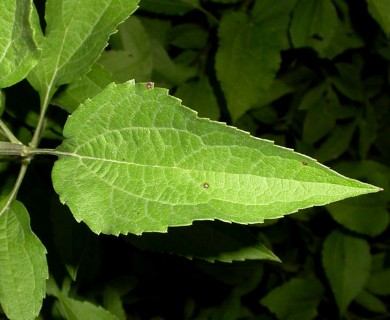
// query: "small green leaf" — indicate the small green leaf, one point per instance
point(189, 36)
point(336, 143)
point(214, 241)
point(18, 49)
point(82, 310)
point(23, 267)
point(170, 7)
point(370, 302)
point(125, 66)
point(199, 95)
point(88, 86)
point(245, 66)
point(368, 216)
point(135, 160)
point(347, 263)
point(296, 299)
point(379, 282)
point(345, 37)
point(130, 57)
point(75, 35)
point(113, 303)
point(380, 11)
point(314, 24)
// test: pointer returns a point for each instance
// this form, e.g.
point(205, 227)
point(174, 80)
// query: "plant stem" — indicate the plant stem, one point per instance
point(8, 133)
point(15, 189)
point(45, 104)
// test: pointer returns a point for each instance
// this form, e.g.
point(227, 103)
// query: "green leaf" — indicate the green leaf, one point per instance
point(245, 66)
point(87, 86)
point(18, 49)
point(370, 302)
point(82, 310)
point(365, 215)
point(314, 24)
point(131, 56)
point(76, 33)
point(345, 37)
point(198, 95)
point(214, 241)
point(347, 263)
point(379, 282)
point(135, 160)
point(349, 82)
point(189, 36)
point(23, 267)
point(319, 120)
point(297, 299)
point(336, 144)
point(380, 11)
point(113, 302)
point(124, 66)
point(170, 7)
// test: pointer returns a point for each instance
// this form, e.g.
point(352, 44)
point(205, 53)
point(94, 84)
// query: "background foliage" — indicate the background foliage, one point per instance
point(310, 75)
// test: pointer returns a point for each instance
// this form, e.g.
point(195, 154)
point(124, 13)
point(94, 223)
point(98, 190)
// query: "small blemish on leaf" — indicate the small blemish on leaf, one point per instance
point(149, 85)
point(304, 163)
point(206, 185)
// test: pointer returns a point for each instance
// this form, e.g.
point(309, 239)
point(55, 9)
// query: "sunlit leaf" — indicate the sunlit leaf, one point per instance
point(135, 160)
point(18, 49)
point(75, 35)
point(22, 263)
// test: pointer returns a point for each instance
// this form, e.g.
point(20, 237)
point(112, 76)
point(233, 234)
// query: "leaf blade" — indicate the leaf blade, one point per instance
point(171, 168)
point(18, 50)
point(347, 263)
point(76, 33)
point(22, 263)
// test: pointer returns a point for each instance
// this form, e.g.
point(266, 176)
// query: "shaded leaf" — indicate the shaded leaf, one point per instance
point(336, 144)
point(370, 302)
point(130, 57)
point(170, 7)
point(364, 215)
point(214, 241)
point(344, 37)
point(314, 24)
point(189, 36)
point(22, 263)
point(245, 65)
point(18, 49)
point(135, 160)
point(379, 282)
point(75, 34)
point(198, 95)
point(113, 303)
point(82, 310)
point(88, 86)
point(347, 263)
point(296, 299)
point(380, 11)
